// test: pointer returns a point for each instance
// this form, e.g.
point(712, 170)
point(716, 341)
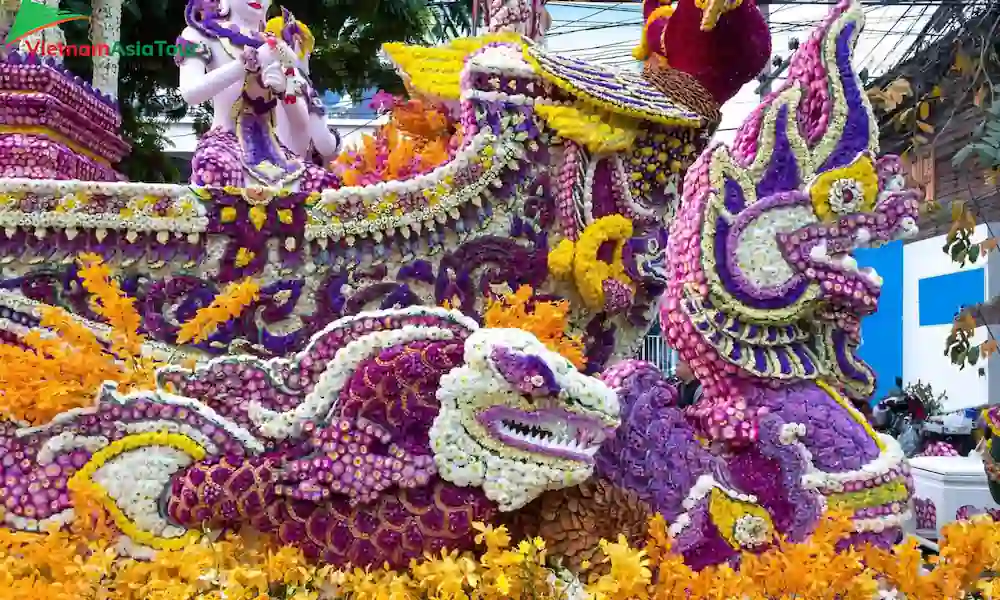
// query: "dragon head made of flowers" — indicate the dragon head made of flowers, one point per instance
point(763, 282)
point(518, 419)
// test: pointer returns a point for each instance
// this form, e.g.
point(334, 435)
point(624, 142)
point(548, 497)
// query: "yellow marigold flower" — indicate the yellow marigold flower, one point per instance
point(561, 259)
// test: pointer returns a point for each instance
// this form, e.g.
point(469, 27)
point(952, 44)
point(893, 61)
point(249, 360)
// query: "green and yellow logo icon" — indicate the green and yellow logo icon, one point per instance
point(34, 16)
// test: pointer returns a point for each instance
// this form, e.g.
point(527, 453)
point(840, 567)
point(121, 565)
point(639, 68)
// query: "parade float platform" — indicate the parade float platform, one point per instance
point(946, 489)
point(55, 125)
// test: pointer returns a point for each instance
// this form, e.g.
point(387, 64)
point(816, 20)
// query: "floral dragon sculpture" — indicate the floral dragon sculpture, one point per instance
point(392, 431)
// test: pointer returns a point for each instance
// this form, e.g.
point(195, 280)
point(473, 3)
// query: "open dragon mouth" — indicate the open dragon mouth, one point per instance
point(551, 432)
point(830, 257)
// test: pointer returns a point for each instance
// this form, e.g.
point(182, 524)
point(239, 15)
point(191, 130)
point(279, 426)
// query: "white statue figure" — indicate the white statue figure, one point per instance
point(320, 140)
point(251, 78)
point(529, 18)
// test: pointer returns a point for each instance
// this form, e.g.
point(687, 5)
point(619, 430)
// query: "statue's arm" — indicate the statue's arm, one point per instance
point(297, 114)
point(198, 84)
point(324, 140)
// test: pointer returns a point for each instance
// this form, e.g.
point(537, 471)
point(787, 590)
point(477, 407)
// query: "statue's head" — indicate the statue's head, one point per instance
point(775, 221)
point(518, 419)
point(250, 12)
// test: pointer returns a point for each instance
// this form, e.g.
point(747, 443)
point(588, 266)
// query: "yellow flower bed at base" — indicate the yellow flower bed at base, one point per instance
point(80, 565)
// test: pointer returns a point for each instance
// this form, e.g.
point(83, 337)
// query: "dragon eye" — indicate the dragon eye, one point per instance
point(846, 190)
point(847, 196)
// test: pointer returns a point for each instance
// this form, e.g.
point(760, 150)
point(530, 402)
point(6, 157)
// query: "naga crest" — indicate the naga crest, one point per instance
point(764, 284)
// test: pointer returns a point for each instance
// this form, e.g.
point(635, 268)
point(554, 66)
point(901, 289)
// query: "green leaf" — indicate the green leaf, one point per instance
point(957, 356)
point(972, 356)
point(962, 155)
point(958, 251)
point(973, 253)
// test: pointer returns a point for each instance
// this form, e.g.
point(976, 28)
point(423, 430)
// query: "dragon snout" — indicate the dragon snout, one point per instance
point(527, 373)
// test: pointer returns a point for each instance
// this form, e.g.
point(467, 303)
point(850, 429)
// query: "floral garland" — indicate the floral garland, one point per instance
point(80, 565)
point(602, 284)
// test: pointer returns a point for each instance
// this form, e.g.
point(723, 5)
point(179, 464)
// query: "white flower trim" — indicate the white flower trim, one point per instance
point(193, 219)
point(698, 492)
point(124, 546)
point(832, 483)
point(58, 520)
point(161, 425)
point(751, 531)
point(505, 60)
point(275, 367)
point(60, 188)
point(758, 254)
point(880, 524)
point(135, 481)
point(507, 154)
point(628, 200)
point(588, 191)
point(518, 99)
point(322, 399)
point(791, 433)
point(837, 201)
point(71, 221)
point(244, 437)
point(68, 441)
point(890, 458)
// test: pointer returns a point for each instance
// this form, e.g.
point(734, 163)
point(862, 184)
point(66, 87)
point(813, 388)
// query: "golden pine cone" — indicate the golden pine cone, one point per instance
point(574, 520)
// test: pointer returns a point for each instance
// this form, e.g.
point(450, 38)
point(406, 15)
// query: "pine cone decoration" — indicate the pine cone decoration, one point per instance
point(574, 520)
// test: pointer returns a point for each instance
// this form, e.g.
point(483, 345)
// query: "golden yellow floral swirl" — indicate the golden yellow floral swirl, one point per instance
point(742, 524)
point(580, 261)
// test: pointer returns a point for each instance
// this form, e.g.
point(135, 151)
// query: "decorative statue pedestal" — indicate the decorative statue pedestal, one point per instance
point(53, 125)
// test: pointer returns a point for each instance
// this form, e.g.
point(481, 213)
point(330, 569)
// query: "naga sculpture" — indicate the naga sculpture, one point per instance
point(764, 301)
point(387, 433)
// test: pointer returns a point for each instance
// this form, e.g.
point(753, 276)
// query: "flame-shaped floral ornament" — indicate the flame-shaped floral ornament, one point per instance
point(764, 298)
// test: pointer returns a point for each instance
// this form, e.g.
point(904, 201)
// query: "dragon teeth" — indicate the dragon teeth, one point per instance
point(818, 252)
point(862, 237)
point(872, 276)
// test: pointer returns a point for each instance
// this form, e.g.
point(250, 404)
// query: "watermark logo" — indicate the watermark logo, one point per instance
point(33, 16)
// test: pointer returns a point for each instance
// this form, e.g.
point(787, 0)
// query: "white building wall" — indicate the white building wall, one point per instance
point(181, 138)
point(924, 346)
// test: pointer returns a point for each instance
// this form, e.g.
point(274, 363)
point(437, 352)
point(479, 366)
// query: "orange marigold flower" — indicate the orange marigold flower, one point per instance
point(547, 320)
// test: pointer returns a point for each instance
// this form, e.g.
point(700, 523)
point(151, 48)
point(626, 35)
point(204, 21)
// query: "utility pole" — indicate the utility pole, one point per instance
point(765, 85)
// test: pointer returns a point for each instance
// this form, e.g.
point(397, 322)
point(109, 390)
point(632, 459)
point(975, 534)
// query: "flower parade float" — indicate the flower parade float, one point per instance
point(385, 360)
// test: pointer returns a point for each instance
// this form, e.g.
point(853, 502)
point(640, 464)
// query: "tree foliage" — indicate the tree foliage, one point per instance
point(957, 76)
point(349, 36)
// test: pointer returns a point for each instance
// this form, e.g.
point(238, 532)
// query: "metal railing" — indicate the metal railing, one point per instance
point(655, 350)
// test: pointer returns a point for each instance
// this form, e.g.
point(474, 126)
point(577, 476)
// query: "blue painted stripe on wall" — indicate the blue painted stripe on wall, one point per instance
point(940, 298)
point(882, 332)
